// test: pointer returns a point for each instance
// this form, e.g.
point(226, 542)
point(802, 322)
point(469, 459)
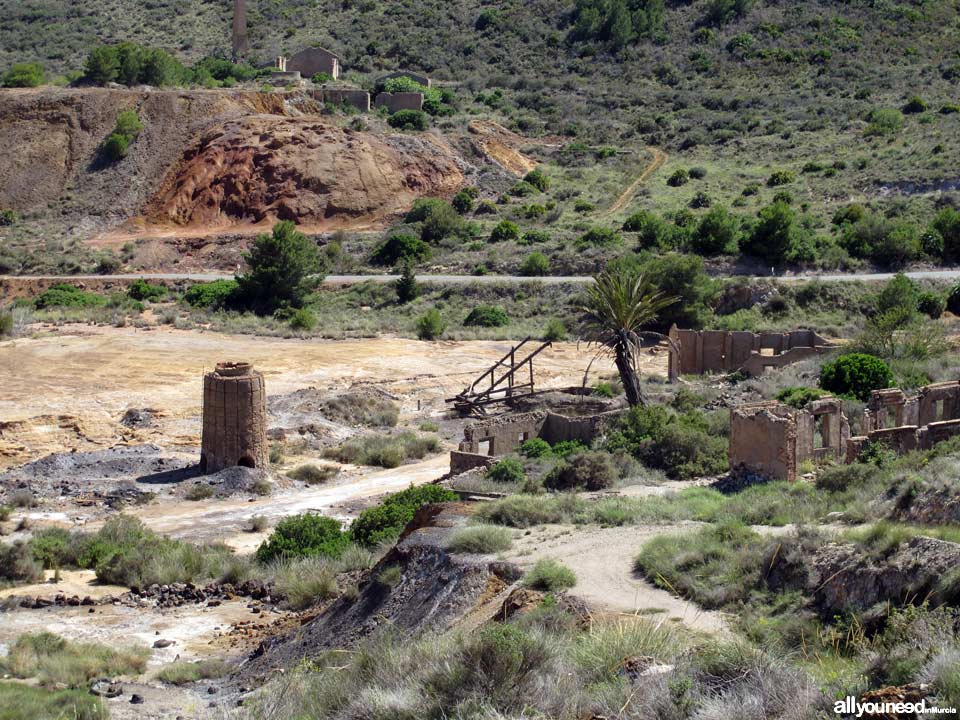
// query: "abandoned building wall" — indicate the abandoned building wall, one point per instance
point(394, 102)
point(763, 440)
point(234, 418)
point(822, 431)
point(502, 435)
point(311, 61)
point(359, 99)
point(585, 429)
point(704, 351)
point(461, 462)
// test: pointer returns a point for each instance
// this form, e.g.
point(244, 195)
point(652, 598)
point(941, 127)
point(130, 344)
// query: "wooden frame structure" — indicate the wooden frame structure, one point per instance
point(490, 388)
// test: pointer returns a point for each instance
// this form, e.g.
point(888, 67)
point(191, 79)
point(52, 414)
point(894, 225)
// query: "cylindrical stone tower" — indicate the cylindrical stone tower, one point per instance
point(234, 418)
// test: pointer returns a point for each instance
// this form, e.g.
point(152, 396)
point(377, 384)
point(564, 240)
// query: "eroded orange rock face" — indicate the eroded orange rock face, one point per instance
point(266, 168)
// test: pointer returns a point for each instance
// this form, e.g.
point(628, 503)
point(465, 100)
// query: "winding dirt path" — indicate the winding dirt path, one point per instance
point(659, 158)
point(602, 559)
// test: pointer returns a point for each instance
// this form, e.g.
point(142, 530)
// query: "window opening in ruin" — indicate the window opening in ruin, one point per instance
point(246, 461)
point(939, 410)
point(767, 352)
point(523, 437)
point(889, 419)
point(485, 447)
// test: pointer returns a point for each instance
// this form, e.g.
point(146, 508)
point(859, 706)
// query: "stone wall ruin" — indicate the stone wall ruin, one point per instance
point(772, 439)
point(394, 102)
point(234, 418)
point(311, 61)
point(706, 351)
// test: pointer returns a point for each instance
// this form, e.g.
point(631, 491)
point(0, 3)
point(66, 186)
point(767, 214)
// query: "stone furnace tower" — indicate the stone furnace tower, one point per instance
point(234, 418)
point(240, 46)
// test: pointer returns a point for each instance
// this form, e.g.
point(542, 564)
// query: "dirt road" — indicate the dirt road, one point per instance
point(659, 158)
point(602, 559)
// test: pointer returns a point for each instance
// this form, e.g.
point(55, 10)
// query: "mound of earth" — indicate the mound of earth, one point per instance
point(268, 167)
point(434, 591)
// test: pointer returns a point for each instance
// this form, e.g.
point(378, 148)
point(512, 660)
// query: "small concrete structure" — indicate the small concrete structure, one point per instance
point(772, 439)
point(234, 418)
point(395, 102)
point(281, 63)
point(485, 440)
point(360, 99)
point(705, 351)
point(311, 61)
point(416, 77)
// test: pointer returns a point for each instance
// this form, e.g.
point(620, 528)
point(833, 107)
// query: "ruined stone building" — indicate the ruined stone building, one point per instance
point(234, 418)
point(394, 102)
point(311, 61)
point(773, 439)
point(485, 440)
point(706, 351)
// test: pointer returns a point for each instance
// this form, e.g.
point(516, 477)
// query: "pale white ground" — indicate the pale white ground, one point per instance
point(602, 559)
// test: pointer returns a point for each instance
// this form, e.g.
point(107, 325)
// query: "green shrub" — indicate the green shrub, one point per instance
point(535, 265)
point(18, 564)
point(535, 448)
point(305, 581)
point(181, 672)
point(504, 231)
point(24, 75)
point(855, 375)
point(799, 397)
point(385, 522)
point(549, 575)
point(409, 120)
point(931, 304)
point(683, 445)
point(538, 179)
point(284, 267)
point(64, 295)
point(781, 177)
point(583, 471)
point(430, 325)
point(8, 217)
point(953, 300)
point(25, 702)
point(523, 189)
point(313, 474)
point(406, 285)
point(554, 330)
point(947, 224)
point(401, 247)
point(487, 316)
point(914, 106)
point(717, 233)
point(900, 293)
point(480, 540)
point(140, 289)
point(679, 177)
point(303, 319)
point(387, 451)
point(599, 237)
point(532, 237)
point(463, 201)
point(303, 536)
point(884, 121)
point(604, 389)
point(212, 295)
point(507, 470)
point(54, 661)
point(6, 324)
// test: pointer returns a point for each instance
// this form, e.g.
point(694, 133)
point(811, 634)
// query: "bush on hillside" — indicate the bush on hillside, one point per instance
point(23, 75)
point(284, 266)
point(401, 247)
point(931, 304)
point(507, 470)
point(855, 375)
point(212, 295)
point(799, 397)
point(487, 316)
point(599, 237)
point(538, 179)
point(140, 289)
point(504, 231)
point(549, 575)
point(717, 233)
point(583, 471)
point(302, 536)
point(535, 265)
point(385, 522)
point(430, 325)
point(64, 295)
point(409, 120)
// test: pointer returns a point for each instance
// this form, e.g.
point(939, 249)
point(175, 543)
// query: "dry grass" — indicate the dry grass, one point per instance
point(54, 661)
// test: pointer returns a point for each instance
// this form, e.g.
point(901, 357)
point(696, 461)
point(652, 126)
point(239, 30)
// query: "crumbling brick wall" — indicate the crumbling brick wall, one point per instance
point(360, 99)
point(311, 61)
point(705, 351)
point(763, 440)
point(234, 418)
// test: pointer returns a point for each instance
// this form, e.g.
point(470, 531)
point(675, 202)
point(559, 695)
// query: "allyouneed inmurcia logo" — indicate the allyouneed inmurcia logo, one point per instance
point(850, 706)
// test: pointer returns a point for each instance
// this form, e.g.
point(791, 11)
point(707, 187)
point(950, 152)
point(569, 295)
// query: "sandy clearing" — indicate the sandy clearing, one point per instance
point(68, 387)
point(602, 559)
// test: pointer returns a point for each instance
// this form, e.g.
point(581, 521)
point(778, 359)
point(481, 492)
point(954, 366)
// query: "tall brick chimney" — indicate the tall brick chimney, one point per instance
point(239, 29)
point(234, 418)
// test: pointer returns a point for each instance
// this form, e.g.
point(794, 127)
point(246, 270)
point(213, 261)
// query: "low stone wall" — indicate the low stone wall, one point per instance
point(461, 462)
point(360, 99)
point(704, 351)
point(394, 102)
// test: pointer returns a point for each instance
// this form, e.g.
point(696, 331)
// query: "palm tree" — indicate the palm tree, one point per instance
point(617, 305)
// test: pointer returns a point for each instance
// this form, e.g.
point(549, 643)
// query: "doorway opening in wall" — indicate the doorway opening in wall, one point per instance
point(938, 410)
point(821, 432)
point(889, 420)
point(485, 447)
point(246, 461)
